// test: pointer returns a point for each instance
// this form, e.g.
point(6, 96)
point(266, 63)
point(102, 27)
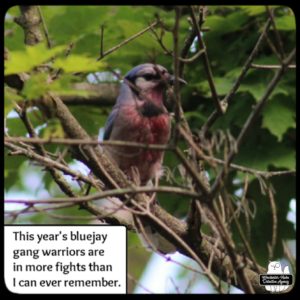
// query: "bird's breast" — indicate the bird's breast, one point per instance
point(138, 128)
point(132, 126)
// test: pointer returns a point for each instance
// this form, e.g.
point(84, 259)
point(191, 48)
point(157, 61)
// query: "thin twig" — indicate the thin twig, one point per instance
point(271, 67)
point(236, 261)
point(176, 95)
point(273, 48)
point(110, 193)
point(183, 60)
point(245, 206)
point(73, 142)
point(14, 215)
point(56, 175)
point(192, 58)
point(31, 210)
point(168, 258)
point(46, 161)
point(133, 37)
point(248, 124)
point(64, 216)
point(212, 160)
point(46, 32)
point(160, 41)
point(59, 71)
point(206, 64)
point(213, 117)
point(179, 241)
point(139, 284)
point(272, 245)
point(186, 48)
point(203, 188)
point(243, 238)
point(277, 34)
point(101, 40)
point(175, 286)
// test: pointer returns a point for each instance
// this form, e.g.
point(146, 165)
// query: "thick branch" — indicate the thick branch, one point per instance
point(30, 22)
point(100, 94)
point(221, 263)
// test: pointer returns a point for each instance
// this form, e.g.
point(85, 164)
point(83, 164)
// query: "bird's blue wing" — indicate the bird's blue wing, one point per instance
point(109, 125)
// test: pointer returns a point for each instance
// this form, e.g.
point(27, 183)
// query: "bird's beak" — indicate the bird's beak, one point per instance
point(180, 80)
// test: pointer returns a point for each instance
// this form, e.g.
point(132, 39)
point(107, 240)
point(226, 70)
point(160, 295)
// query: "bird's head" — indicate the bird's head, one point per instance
point(149, 83)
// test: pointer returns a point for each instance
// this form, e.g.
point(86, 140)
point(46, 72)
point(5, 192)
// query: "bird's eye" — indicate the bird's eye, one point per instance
point(149, 77)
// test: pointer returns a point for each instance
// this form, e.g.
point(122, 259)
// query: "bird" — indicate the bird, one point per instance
point(140, 115)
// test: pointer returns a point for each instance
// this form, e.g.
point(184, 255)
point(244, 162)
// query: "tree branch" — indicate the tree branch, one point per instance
point(30, 22)
point(206, 64)
point(248, 124)
point(213, 117)
point(102, 55)
point(49, 163)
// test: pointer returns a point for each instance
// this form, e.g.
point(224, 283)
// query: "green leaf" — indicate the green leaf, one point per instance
point(254, 10)
point(223, 85)
point(71, 23)
point(33, 56)
point(35, 86)
point(10, 96)
point(63, 86)
point(78, 63)
point(53, 130)
point(286, 23)
point(278, 116)
point(261, 227)
point(195, 114)
point(221, 25)
point(90, 118)
point(283, 157)
point(237, 112)
point(261, 150)
point(15, 127)
point(257, 89)
point(12, 165)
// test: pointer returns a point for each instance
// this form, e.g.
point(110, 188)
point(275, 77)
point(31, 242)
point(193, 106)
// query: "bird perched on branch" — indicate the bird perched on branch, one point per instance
point(140, 116)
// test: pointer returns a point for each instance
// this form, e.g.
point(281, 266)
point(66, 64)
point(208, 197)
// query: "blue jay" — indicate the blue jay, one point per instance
point(140, 115)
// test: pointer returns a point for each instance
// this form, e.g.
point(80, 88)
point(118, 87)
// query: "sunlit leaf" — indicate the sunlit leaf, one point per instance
point(286, 23)
point(10, 96)
point(53, 130)
point(33, 56)
point(35, 86)
point(78, 63)
point(254, 10)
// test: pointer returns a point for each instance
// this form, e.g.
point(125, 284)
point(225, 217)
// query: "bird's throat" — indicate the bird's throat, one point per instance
point(153, 104)
point(150, 109)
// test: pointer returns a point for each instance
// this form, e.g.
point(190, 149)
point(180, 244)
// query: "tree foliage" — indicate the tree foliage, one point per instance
point(230, 34)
